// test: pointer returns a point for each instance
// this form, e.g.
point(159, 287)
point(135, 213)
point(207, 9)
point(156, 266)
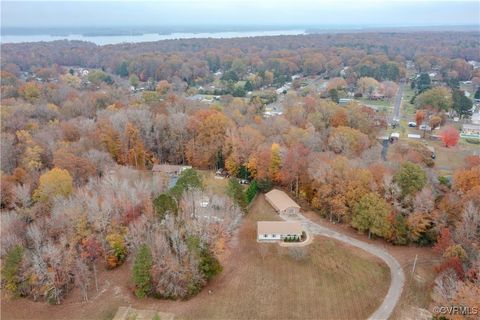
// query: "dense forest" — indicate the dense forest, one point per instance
point(76, 149)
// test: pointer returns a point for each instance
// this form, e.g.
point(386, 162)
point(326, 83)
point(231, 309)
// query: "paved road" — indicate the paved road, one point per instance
point(396, 271)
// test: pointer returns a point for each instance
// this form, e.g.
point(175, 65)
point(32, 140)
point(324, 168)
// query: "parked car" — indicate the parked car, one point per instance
point(243, 181)
point(425, 127)
point(412, 124)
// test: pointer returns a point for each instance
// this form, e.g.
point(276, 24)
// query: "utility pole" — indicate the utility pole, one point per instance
point(414, 264)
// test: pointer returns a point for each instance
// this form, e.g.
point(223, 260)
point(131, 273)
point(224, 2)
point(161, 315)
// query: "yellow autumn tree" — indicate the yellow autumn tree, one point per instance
point(56, 182)
point(232, 165)
point(275, 162)
point(31, 157)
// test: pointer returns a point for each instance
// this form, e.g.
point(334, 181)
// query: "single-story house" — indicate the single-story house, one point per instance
point(471, 129)
point(476, 118)
point(169, 169)
point(281, 202)
point(278, 230)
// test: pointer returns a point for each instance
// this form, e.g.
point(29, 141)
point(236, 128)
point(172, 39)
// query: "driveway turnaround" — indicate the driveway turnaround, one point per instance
point(396, 271)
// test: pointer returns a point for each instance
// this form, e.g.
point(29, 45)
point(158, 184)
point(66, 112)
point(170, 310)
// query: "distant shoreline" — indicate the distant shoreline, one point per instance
point(117, 35)
point(107, 39)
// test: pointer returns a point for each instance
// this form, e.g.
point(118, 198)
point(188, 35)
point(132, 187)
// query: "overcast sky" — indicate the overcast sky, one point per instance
point(236, 12)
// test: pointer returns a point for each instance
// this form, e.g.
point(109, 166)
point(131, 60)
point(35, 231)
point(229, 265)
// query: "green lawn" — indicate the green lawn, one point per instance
point(408, 108)
point(386, 104)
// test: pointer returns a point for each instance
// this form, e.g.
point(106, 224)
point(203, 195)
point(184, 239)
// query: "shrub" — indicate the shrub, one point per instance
point(265, 185)
point(189, 179)
point(118, 250)
point(11, 268)
point(473, 141)
point(163, 204)
point(209, 265)
point(141, 271)
point(411, 178)
point(304, 236)
point(400, 230)
point(251, 191)
point(235, 191)
point(444, 181)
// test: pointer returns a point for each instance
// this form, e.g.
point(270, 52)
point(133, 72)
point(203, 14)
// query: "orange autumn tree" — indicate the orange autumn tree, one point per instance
point(294, 167)
point(275, 162)
point(208, 129)
point(465, 180)
point(419, 117)
point(450, 136)
point(136, 155)
point(110, 139)
point(339, 118)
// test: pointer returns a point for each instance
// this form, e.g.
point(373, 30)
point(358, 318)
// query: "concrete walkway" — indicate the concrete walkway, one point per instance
point(396, 271)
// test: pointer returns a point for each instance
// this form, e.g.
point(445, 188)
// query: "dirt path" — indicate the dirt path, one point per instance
point(397, 276)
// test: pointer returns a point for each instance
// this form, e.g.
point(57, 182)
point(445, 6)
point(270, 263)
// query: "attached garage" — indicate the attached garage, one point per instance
point(281, 202)
point(278, 230)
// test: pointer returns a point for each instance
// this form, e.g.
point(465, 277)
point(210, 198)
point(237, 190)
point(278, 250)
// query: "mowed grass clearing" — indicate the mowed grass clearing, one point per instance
point(333, 281)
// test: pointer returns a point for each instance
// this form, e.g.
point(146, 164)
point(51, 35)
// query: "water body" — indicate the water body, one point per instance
point(115, 39)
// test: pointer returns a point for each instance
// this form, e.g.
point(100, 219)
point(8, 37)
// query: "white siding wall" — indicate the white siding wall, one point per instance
point(272, 237)
point(291, 210)
point(269, 237)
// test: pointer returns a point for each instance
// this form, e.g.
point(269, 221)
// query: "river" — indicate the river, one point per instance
point(104, 40)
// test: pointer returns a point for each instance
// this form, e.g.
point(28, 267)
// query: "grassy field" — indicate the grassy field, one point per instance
point(450, 159)
point(383, 105)
point(333, 281)
point(408, 108)
point(417, 290)
point(259, 281)
point(217, 186)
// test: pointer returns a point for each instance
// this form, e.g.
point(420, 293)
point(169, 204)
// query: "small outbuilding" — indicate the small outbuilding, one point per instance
point(281, 202)
point(169, 169)
point(278, 230)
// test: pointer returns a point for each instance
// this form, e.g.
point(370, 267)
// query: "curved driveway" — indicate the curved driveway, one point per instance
point(396, 271)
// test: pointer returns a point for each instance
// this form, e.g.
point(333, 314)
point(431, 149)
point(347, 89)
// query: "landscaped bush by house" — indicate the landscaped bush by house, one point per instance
point(304, 236)
point(292, 239)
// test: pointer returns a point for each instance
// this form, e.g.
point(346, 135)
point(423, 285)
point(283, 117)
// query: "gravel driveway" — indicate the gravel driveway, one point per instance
point(396, 271)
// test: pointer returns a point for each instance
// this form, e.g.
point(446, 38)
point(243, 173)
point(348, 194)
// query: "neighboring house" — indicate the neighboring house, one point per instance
point(169, 169)
point(471, 129)
point(344, 101)
point(394, 136)
point(278, 230)
point(170, 172)
point(281, 202)
point(476, 118)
